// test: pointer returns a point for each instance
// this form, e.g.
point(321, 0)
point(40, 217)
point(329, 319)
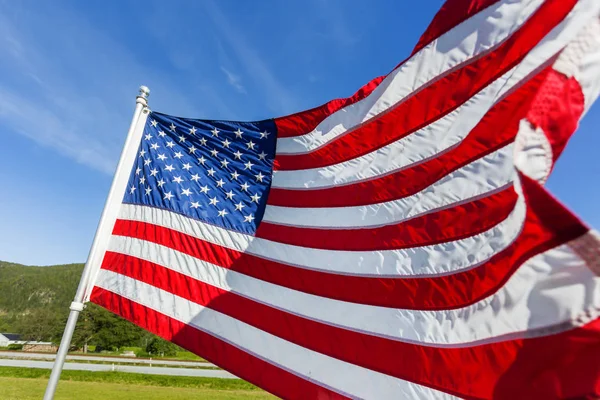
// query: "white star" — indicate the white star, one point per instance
point(195, 204)
point(142, 153)
point(162, 157)
point(245, 186)
point(250, 145)
point(203, 141)
point(153, 172)
point(187, 166)
point(181, 139)
point(195, 177)
point(169, 168)
point(186, 192)
point(214, 152)
point(215, 132)
point(230, 194)
point(210, 172)
point(262, 155)
point(238, 133)
point(255, 198)
point(248, 165)
point(214, 201)
point(226, 143)
point(178, 154)
point(249, 218)
point(132, 189)
point(259, 177)
point(234, 175)
point(153, 123)
point(204, 189)
point(143, 180)
point(148, 190)
point(193, 130)
point(264, 134)
point(147, 162)
point(160, 183)
point(177, 179)
point(172, 127)
point(162, 134)
point(148, 136)
point(138, 170)
point(168, 196)
point(239, 206)
point(222, 213)
point(154, 146)
point(192, 149)
point(224, 163)
point(202, 160)
point(238, 155)
point(220, 183)
point(170, 144)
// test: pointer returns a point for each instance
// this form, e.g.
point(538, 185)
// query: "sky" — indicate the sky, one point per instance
point(69, 73)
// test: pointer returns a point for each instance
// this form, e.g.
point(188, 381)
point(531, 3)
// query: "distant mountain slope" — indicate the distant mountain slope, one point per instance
point(34, 301)
point(24, 288)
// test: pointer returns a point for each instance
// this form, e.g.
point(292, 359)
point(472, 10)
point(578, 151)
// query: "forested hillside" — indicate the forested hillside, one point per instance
point(34, 301)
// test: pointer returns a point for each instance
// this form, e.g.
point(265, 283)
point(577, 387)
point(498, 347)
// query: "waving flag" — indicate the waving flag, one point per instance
point(395, 244)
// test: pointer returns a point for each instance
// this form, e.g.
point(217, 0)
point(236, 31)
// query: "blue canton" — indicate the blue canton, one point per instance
point(217, 172)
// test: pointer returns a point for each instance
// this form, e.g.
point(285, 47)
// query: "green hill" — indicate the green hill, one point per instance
point(24, 288)
point(34, 301)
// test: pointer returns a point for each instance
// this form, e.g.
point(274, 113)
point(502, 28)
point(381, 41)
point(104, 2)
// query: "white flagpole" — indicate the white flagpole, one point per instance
point(78, 302)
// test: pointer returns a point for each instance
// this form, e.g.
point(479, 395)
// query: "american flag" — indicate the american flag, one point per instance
point(395, 244)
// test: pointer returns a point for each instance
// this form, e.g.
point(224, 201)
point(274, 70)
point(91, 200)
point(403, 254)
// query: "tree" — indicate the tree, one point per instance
point(161, 347)
point(38, 325)
point(112, 331)
point(85, 328)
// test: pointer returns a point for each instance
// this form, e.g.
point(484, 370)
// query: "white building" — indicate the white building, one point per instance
point(10, 338)
point(7, 339)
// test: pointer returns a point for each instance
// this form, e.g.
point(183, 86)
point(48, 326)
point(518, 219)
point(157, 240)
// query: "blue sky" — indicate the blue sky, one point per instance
point(70, 69)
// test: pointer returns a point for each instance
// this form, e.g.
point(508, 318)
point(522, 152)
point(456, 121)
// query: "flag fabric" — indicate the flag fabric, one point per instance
point(395, 244)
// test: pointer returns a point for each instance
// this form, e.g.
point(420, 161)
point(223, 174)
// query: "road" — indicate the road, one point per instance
point(210, 373)
point(120, 360)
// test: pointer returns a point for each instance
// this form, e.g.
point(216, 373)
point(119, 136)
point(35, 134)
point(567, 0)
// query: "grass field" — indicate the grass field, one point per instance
point(26, 384)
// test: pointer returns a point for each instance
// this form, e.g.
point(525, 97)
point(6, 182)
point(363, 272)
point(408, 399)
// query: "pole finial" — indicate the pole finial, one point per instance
point(142, 97)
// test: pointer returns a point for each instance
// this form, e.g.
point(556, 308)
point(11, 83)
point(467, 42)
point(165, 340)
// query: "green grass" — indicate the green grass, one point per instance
point(181, 355)
point(125, 378)
point(33, 389)
point(188, 356)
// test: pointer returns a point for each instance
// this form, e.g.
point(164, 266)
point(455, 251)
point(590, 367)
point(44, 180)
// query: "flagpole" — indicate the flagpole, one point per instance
point(78, 302)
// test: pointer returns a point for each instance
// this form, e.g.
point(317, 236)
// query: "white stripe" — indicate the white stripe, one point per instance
point(581, 60)
point(478, 178)
point(548, 291)
point(443, 258)
point(475, 36)
point(328, 371)
point(445, 132)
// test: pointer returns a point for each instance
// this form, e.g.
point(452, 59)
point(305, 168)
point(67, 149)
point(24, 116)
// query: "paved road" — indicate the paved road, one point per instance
point(121, 360)
point(211, 373)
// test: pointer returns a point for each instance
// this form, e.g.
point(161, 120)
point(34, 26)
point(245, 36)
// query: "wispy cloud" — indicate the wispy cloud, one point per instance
point(278, 98)
point(71, 90)
point(234, 80)
point(331, 14)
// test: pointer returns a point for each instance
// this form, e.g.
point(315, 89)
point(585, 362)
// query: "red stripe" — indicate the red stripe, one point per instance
point(546, 226)
point(477, 371)
point(246, 366)
point(447, 225)
point(558, 107)
point(452, 14)
point(437, 99)
point(497, 128)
